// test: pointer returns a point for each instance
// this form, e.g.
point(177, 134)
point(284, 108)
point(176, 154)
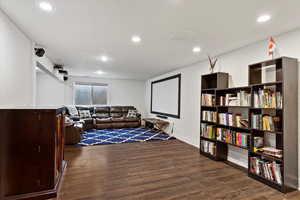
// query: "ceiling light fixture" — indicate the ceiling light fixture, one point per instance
point(104, 58)
point(196, 49)
point(46, 6)
point(99, 72)
point(136, 39)
point(263, 18)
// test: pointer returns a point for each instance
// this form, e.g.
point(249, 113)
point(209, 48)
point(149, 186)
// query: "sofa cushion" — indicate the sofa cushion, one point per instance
point(118, 124)
point(131, 119)
point(103, 120)
point(116, 109)
point(102, 109)
point(125, 109)
point(103, 126)
point(102, 115)
point(84, 114)
point(120, 119)
point(88, 120)
point(116, 115)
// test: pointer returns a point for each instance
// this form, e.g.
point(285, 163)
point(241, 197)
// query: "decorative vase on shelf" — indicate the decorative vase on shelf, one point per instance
point(212, 62)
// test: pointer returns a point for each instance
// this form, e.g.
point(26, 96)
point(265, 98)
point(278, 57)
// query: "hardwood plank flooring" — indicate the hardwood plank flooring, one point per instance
point(161, 170)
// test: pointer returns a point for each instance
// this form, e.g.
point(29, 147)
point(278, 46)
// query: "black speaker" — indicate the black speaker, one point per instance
point(58, 67)
point(40, 52)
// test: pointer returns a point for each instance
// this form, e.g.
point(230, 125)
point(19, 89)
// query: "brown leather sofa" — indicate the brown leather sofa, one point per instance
point(108, 117)
point(115, 117)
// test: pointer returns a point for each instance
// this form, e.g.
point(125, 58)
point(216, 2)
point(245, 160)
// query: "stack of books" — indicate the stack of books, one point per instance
point(232, 137)
point(208, 131)
point(272, 151)
point(208, 147)
point(209, 116)
point(268, 98)
point(266, 122)
point(266, 169)
point(241, 98)
point(208, 99)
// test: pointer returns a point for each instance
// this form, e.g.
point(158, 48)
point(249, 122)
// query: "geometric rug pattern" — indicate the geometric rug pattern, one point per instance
point(124, 135)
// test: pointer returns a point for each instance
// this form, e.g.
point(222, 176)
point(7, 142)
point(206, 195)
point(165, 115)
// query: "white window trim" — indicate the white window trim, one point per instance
point(92, 83)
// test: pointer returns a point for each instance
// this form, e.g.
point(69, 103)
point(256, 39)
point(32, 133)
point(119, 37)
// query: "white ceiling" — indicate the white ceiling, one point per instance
point(79, 31)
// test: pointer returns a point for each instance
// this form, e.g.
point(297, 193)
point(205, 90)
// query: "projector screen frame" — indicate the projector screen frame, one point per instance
point(177, 76)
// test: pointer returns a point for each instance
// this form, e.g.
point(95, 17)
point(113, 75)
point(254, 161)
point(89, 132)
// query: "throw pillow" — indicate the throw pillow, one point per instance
point(132, 113)
point(72, 110)
point(85, 114)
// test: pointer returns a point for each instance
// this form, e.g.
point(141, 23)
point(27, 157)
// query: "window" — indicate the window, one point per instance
point(90, 94)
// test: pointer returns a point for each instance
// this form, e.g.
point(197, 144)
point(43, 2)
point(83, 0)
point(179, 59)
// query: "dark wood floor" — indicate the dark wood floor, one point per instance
point(156, 170)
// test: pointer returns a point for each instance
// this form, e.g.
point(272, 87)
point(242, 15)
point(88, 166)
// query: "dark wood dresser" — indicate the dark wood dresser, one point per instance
point(32, 153)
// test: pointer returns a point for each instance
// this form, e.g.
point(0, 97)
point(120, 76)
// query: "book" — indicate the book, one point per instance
point(208, 147)
point(267, 97)
point(258, 143)
point(225, 119)
point(207, 100)
point(267, 169)
point(210, 116)
point(232, 137)
point(272, 151)
point(266, 122)
point(241, 98)
point(208, 131)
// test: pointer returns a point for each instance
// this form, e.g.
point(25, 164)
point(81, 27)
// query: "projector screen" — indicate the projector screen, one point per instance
point(165, 96)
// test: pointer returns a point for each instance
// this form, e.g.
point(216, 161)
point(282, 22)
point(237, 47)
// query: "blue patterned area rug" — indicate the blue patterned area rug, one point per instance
point(118, 136)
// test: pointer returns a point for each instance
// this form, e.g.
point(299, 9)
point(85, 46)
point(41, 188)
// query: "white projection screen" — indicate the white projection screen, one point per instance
point(165, 96)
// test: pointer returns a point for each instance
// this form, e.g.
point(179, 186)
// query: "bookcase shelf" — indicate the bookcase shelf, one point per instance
point(268, 182)
point(269, 157)
point(214, 140)
point(279, 75)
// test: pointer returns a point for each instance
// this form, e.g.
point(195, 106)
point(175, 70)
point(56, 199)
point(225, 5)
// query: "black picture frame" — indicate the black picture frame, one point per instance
point(177, 76)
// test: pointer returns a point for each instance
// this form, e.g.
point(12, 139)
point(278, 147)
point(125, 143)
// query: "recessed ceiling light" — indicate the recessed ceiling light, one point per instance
point(104, 58)
point(45, 6)
point(196, 49)
point(136, 39)
point(263, 18)
point(99, 72)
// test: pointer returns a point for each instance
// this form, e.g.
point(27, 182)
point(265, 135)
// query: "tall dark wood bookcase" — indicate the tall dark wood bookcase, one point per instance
point(285, 80)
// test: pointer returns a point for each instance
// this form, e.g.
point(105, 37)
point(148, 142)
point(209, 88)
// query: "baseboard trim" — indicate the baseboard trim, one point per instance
point(46, 194)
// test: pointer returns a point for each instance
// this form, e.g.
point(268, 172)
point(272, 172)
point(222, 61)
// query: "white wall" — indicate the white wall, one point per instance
point(236, 64)
point(121, 92)
point(50, 91)
point(16, 66)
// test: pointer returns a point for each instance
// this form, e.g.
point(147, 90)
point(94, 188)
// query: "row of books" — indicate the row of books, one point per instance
point(208, 100)
point(265, 122)
point(266, 169)
point(208, 147)
point(210, 116)
point(242, 98)
point(208, 131)
point(230, 119)
point(268, 98)
point(232, 137)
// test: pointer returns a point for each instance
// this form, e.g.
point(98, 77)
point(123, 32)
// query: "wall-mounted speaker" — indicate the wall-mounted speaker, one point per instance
point(40, 52)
